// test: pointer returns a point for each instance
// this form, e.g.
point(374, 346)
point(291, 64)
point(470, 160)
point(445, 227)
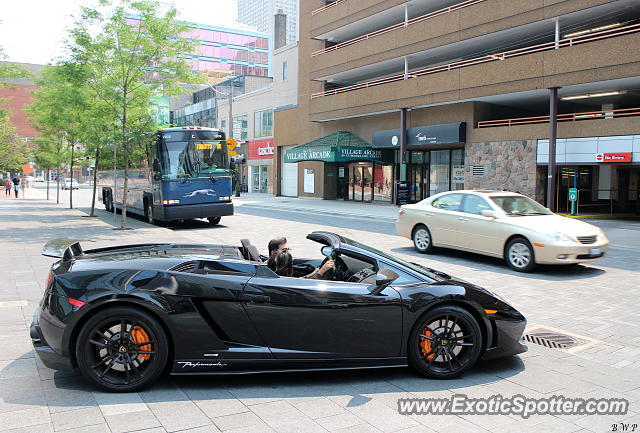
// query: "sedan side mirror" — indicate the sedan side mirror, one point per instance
point(489, 213)
point(384, 277)
point(327, 250)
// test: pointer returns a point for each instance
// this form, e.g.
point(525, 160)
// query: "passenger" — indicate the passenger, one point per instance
point(278, 245)
point(281, 263)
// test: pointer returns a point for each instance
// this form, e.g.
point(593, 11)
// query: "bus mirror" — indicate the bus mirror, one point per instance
point(157, 176)
point(156, 165)
point(232, 165)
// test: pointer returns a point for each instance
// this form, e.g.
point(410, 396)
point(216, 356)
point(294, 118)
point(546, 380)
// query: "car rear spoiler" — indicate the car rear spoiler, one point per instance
point(63, 248)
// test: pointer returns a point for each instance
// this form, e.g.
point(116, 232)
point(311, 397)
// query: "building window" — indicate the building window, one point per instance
point(240, 127)
point(263, 124)
point(285, 71)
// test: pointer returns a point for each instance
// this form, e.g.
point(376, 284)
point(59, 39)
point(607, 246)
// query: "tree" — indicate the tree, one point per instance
point(45, 156)
point(129, 63)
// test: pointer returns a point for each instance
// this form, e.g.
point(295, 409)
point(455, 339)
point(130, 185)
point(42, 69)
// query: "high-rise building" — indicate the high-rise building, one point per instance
point(221, 51)
point(261, 15)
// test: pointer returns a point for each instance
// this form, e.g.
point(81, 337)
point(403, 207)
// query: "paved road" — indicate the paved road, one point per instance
point(597, 302)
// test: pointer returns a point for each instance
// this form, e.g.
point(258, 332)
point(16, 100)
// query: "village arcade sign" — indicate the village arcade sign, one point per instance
point(333, 154)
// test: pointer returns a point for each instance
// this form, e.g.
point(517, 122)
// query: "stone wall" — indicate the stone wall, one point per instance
point(508, 165)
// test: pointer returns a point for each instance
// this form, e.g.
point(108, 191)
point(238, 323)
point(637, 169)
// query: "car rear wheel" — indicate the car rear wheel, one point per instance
point(122, 349)
point(422, 239)
point(519, 255)
point(214, 220)
point(445, 342)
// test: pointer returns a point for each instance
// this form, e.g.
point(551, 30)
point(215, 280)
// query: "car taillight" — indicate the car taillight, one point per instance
point(49, 281)
point(75, 302)
point(401, 213)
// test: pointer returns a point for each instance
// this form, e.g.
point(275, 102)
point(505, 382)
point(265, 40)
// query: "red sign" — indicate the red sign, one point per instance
point(261, 149)
point(614, 157)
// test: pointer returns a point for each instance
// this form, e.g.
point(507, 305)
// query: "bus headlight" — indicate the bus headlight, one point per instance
point(170, 201)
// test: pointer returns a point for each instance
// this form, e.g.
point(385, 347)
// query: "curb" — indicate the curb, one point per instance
point(321, 211)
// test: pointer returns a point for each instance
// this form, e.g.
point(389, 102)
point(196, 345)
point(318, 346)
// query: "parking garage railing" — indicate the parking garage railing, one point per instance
point(327, 6)
point(400, 25)
point(567, 42)
point(568, 117)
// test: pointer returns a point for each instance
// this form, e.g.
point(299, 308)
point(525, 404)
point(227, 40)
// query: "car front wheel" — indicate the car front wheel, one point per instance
point(445, 342)
point(519, 255)
point(122, 349)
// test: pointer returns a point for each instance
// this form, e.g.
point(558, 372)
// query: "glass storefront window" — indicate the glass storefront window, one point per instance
point(440, 171)
point(382, 182)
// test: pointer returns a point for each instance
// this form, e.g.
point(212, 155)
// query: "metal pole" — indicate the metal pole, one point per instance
point(403, 143)
point(553, 132)
point(557, 33)
point(115, 182)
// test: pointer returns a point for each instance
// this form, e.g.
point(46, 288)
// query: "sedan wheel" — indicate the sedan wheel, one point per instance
point(445, 342)
point(122, 349)
point(422, 239)
point(519, 255)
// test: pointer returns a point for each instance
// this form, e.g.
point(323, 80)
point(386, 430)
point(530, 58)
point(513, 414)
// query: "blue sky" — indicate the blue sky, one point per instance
point(32, 31)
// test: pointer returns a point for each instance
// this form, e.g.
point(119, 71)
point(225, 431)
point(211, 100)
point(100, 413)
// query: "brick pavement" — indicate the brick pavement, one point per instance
point(594, 301)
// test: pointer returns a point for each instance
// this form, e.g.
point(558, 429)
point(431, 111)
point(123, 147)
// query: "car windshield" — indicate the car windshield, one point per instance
point(519, 205)
point(422, 270)
point(193, 159)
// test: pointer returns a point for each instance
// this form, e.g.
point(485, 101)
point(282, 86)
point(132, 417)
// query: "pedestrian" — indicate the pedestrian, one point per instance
point(23, 186)
point(16, 184)
point(7, 187)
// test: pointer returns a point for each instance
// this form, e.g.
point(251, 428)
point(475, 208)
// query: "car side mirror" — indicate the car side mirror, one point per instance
point(384, 277)
point(326, 251)
point(489, 213)
point(156, 166)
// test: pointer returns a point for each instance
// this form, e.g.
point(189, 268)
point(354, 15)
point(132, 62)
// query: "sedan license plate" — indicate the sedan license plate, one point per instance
point(595, 252)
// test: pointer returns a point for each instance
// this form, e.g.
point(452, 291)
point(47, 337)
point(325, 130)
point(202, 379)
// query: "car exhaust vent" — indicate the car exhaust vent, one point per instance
point(185, 267)
point(555, 339)
point(587, 239)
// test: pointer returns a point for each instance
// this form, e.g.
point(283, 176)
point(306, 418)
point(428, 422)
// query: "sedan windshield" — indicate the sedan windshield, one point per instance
point(519, 205)
point(188, 159)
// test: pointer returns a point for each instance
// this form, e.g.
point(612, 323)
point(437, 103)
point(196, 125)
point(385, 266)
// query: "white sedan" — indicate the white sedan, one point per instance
point(70, 184)
point(500, 224)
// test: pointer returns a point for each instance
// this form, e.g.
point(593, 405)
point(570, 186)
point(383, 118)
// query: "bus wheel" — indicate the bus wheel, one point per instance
point(214, 220)
point(148, 212)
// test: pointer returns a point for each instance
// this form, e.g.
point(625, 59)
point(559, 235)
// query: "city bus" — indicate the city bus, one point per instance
point(190, 177)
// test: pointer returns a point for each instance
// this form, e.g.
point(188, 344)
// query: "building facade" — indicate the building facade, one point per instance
point(253, 120)
point(220, 51)
point(260, 14)
point(469, 90)
point(17, 95)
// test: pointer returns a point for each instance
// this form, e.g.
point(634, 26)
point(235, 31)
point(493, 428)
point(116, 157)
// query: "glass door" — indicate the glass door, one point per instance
point(367, 182)
point(361, 182)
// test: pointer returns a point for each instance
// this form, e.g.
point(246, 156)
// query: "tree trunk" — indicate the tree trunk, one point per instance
point(58, 185)
point(123, 217)
point(95, 182)
point(71, 187)
point(48, 183)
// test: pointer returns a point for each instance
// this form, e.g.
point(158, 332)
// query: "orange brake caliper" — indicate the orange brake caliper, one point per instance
point(140, 336)
point(425, 344)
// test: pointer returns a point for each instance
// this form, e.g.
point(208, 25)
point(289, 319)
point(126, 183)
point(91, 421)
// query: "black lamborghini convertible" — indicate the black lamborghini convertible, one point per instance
point(123, 315)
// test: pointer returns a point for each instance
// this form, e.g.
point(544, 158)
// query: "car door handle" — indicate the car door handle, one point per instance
point(254, 298)
point(463, 219)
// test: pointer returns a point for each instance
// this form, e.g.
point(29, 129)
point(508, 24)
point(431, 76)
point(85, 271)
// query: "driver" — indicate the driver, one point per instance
point(280, 244)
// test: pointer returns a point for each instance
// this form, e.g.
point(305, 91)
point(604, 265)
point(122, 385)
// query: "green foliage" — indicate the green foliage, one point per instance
point(13, 151)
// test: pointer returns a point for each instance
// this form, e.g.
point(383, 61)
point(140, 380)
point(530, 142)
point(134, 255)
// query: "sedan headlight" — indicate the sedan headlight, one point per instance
point(602, 236)
point(562, 237)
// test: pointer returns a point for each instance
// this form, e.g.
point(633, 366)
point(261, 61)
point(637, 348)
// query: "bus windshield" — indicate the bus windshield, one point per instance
point(193, 158)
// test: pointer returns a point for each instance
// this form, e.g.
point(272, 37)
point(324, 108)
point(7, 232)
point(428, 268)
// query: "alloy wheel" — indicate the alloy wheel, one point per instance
point(422, 239)
point(519, 255)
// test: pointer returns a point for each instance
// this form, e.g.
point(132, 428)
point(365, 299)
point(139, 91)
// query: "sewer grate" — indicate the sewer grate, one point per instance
point(553, 339)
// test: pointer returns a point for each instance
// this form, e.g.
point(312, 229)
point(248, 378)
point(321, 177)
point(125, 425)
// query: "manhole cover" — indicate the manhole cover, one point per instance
point(557, 339)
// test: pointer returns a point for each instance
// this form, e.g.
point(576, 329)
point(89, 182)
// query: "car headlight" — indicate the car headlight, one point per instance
point(602, 236)
point(562, 237)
